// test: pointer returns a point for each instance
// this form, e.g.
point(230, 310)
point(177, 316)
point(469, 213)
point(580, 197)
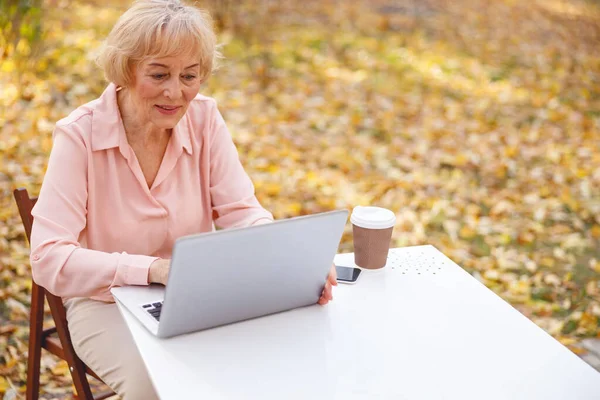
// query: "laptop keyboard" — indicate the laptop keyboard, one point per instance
point(153, 309)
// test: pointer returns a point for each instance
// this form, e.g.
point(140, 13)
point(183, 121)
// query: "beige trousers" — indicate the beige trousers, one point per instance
point(103, 341)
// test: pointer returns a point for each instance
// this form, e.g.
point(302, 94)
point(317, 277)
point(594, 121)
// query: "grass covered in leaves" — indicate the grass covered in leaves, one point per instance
point(477, 122)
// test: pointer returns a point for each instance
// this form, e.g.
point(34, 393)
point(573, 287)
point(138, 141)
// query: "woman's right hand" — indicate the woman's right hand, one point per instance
point(159, 271)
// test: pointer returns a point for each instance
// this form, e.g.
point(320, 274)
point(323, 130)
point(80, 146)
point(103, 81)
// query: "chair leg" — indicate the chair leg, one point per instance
point(76, 366)
point(36, 321)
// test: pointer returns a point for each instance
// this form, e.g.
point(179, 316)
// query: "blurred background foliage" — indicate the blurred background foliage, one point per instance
point(20, 29)
point(477, 122)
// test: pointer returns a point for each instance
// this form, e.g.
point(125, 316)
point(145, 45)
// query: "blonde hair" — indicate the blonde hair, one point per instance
point(157, 28)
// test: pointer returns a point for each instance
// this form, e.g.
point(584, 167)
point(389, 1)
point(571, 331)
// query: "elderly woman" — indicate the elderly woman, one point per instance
point(147, 162)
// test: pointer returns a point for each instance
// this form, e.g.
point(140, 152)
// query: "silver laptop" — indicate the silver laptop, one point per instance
point(217, 278)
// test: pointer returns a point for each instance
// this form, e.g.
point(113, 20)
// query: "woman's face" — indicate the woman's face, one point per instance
point(163, 89)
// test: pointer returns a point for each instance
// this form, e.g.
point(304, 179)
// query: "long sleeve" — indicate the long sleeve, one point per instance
point(59, 263)
point(232, 192)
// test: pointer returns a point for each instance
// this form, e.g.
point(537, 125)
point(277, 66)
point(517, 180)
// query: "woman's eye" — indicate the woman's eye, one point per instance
point(189, 77)
point(158, 76)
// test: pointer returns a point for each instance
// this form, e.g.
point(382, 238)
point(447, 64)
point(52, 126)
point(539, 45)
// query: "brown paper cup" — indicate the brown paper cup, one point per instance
point(371, 246)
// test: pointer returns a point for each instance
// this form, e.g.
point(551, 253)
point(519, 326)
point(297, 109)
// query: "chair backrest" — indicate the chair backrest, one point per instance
point(25, 205)
point(38, 337)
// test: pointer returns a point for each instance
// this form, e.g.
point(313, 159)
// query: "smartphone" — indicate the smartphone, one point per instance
point(347, 274)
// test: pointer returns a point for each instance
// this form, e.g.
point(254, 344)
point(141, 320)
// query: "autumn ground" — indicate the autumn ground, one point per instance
point(477, 122)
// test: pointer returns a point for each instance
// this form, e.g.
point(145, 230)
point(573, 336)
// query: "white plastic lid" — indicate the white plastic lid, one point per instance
point(373, 217)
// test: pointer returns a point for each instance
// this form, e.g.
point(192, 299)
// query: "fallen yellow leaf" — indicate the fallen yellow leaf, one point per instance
point(466, 232)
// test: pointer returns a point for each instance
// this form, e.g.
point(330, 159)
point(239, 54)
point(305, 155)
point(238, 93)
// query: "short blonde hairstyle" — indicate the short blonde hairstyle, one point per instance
point(158, 28)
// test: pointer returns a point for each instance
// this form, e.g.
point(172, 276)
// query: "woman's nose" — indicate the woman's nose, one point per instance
point(173, 88)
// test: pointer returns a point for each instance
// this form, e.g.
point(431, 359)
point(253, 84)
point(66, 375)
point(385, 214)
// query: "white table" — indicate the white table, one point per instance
point(421, 328)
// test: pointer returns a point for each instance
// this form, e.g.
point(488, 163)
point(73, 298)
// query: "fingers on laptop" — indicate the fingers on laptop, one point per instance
point(332, 278)
point(326, 295)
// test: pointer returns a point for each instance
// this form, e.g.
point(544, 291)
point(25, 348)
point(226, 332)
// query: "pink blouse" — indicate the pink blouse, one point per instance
point(97, 225)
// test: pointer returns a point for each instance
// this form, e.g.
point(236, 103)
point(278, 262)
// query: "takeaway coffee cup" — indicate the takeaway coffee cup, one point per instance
point(372, 232)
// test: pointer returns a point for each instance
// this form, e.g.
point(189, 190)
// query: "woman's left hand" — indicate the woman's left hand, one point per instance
point(327, 294)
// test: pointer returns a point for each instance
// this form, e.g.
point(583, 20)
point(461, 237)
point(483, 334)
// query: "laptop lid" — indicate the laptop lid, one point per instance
point(221, 277)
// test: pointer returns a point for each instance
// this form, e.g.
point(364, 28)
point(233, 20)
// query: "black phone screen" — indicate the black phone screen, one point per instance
point(347, 274)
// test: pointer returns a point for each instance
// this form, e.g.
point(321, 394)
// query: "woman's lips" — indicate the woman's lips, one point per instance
point(167, 110)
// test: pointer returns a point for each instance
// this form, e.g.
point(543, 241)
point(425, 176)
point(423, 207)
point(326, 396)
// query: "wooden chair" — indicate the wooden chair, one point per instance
point(39, 337)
